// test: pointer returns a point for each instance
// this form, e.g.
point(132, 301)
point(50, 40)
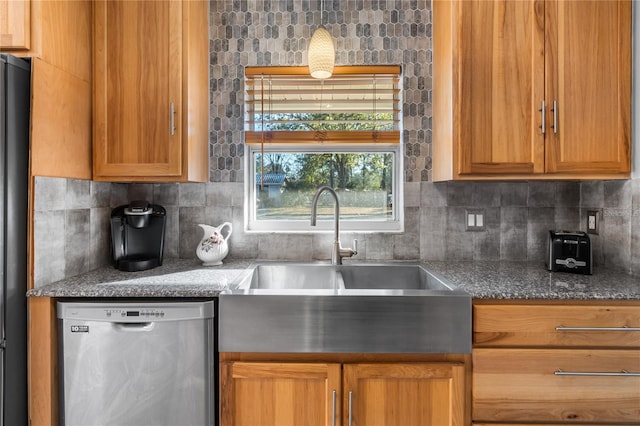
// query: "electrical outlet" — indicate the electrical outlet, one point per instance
point(592, 222)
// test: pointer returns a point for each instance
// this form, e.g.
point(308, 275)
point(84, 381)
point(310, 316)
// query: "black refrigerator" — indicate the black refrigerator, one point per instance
point(15, 96)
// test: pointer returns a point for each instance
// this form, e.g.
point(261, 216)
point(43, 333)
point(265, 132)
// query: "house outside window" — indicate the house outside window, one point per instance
point(302, 133)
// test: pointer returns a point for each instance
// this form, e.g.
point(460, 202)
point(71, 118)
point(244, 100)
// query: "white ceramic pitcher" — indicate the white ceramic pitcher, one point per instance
point(213, 247)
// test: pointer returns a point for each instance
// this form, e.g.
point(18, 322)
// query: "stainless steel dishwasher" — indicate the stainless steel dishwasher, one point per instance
point(134, 364)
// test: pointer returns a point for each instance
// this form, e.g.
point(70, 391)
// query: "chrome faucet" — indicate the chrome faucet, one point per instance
point(338, 251)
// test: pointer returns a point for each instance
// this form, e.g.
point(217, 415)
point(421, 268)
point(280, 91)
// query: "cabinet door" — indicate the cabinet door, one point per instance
point(588, 57)
point(15, 24)
point(137, 88)
point(279, 394)
point(403, 394)
point(501, 87)
point(523, 385)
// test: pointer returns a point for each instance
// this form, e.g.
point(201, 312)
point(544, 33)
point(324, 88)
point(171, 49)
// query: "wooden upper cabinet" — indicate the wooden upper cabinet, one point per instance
point(15, 24)
point(279, 394)
point(40, 29)
point(403, 394)
point(150, 91)
point(589, 78)
point(531, 89)
point(503, 64)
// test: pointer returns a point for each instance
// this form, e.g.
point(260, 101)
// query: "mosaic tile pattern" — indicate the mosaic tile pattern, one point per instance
point(276, 33)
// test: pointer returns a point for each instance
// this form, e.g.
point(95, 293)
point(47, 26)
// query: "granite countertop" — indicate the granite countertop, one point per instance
point(481, 279)
point(528, 280)
point(175, 278)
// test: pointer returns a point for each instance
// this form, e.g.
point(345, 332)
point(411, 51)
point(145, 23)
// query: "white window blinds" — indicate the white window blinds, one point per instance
point(358, 104)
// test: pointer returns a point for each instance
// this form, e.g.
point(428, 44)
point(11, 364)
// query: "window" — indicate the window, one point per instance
point(302, 133)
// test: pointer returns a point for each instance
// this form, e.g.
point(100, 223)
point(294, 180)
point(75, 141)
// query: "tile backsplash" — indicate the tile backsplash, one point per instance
point(72, 223)
point(276, 33)
point(71, 226)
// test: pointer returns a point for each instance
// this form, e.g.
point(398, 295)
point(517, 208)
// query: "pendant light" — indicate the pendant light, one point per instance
point(322, 53)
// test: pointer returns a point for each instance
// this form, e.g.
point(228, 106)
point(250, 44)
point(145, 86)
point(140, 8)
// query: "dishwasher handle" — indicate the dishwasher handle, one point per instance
point(133, 327)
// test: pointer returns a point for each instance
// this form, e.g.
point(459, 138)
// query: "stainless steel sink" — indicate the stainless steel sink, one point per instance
point(354, 308)
point(392, 277)
point(293, 277)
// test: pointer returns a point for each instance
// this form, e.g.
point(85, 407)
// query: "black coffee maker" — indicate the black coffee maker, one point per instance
point(137, 236)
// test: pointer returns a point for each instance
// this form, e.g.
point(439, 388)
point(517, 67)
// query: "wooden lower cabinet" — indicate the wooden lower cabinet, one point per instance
point(403, 394)
point(556, 362)
point(361, 394)
point(282, 394)
point(556, 385)
point(597, 325)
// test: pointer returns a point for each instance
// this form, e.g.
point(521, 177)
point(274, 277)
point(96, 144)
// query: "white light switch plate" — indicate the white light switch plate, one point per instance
point(474, 220)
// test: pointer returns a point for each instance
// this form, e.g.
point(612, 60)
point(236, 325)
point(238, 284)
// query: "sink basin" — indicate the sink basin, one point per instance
point(392, 277)
point(353, 308)
point(293, 277)
point(300, 277)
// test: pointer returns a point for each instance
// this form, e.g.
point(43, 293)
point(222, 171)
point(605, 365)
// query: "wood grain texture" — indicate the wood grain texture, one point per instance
point(490, 75)
point(43, 362)
point(278, 394)
point(138, 75)
point(56, 41)
point(148, 55)
point(589, 74)
point(362, 358)
point(519, 385)
point(61, 123)
point(284, 137)
point(52, 39)
point(15, 25)
point(494, 62)
point(529, 424)
point(341, 357)
point(535, 325)
point(445, 79)
point(338, 70)
point(502, 66)
point(195, 132)
point(404, 394)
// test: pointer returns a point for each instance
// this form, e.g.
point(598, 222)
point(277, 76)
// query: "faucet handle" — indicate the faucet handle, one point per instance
point(355, 246)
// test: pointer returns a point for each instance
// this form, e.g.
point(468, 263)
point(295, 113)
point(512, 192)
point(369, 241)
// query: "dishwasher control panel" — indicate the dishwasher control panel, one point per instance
point(135, 312)
point(126, 313)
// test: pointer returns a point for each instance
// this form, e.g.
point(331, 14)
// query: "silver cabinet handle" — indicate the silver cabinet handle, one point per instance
point(622, 373)
point(350, 407)
point(172, 119)
point(623, 328)
point(544, 117)
point(333, 412)
point(555, 117)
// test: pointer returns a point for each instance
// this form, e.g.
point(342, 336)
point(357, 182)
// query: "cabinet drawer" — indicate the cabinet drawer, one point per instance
point(556, 326)
point(533, 424)
point(555, 385)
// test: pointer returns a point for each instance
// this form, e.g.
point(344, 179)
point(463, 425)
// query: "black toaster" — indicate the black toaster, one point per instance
point(569, 252)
